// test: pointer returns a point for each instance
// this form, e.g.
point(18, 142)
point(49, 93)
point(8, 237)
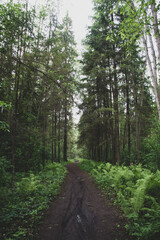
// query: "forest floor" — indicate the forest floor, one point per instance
point(81, 212)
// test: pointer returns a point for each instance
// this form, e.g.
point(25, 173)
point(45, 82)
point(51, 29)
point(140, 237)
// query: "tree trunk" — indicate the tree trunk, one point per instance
point(65, 133)
point(44, 134)
point(155, 27)
point(153, 57)
point(59, 136)
point(116, 113)
point(44, 142)
point(14, 124)
point(55, 137)
point(52, 138)
point(124, 135)
point(112, 149)
point(157, 36)
point(115, 99)
point(153, 77)
point(128, 116)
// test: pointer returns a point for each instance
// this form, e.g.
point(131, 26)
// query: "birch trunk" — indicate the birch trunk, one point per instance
point(153, 58)
point(155, 28)
point(153, 76)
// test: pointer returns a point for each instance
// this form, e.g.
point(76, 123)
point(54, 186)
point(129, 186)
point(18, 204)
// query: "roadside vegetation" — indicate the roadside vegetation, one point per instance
point(22, 208)
point(120, 84)
point(136, 190)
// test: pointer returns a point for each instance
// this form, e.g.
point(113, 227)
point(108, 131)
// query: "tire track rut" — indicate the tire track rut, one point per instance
point(81, 213)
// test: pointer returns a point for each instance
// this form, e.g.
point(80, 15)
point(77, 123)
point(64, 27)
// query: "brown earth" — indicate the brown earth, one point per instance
point(81, 213)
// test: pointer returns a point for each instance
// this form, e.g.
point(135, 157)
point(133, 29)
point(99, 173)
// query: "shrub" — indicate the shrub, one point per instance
point(137, 191)
point(32, 195)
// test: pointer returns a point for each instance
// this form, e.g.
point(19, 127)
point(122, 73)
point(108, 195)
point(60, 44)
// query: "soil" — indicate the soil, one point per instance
point(81, 212)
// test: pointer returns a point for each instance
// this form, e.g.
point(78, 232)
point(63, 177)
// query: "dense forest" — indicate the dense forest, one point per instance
point(116, 80)
point(120, 87)
point(37, 86)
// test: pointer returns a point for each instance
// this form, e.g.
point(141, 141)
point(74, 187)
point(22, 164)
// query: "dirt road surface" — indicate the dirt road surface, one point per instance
point(81, 213)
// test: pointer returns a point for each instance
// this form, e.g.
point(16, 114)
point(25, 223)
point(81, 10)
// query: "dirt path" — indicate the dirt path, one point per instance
point(81, 213)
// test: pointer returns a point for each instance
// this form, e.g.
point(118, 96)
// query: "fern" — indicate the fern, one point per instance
point(138, 193)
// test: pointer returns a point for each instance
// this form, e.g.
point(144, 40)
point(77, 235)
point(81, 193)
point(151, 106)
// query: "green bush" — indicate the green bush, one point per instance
point(4, 174)
point(137, 191)
point(32, 195)
point(151, 149)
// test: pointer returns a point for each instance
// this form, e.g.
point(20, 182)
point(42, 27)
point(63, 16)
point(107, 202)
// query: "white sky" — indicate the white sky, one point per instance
point(79, 11)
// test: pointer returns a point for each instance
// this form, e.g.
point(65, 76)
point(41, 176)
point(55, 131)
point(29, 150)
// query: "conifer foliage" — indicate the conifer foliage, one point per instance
point(36, 85)
point(116, 96)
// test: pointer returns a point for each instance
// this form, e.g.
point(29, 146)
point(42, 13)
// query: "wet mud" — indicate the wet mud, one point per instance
point(81, 213)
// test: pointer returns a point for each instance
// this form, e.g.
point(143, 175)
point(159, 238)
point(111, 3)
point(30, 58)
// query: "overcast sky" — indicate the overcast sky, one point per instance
point(79, 11)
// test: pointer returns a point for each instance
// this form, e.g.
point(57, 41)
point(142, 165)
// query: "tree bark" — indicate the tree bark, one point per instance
point(65, 133)
point(59, 136)
point(153, 77)
point(128, 116)
point(16, 102)
point(55, 137)
point(44, 134)
point(153, 57)
point(116, 113)
point(157, 36)
point(155, 28)
point(115, 99)
point(52, 138)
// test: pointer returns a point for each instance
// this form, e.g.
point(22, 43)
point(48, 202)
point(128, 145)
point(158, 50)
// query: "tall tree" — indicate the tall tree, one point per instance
point(141, 23)
point(37, 81)
point(113, 86)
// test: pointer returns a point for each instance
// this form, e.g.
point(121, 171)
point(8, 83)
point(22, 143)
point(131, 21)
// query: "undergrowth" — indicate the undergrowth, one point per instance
point(22, 210)
point(137, 191)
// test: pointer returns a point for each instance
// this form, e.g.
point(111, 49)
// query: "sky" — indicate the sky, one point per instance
point(80, 11)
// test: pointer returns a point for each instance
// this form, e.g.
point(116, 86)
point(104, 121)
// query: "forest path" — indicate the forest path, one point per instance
point(81, 213)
